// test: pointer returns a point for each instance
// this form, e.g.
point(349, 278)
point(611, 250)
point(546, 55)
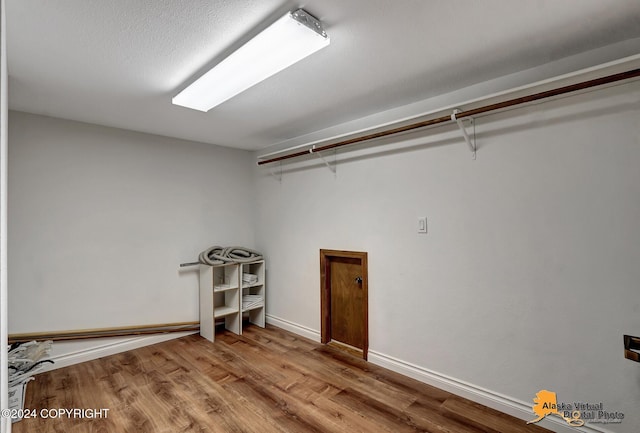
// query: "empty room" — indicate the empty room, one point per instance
point(328, 216)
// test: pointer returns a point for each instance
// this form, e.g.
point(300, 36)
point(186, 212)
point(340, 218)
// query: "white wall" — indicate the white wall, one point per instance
point(101, 218)
point(528, 277)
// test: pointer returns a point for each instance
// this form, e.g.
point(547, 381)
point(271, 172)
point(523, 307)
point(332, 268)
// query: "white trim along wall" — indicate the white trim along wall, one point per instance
point(505, 404)
point(5, 425)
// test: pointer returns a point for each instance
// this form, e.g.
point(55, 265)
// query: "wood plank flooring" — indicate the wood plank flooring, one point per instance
point(267, 380)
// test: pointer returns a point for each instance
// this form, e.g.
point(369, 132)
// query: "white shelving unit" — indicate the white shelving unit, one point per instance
point(226, 295)
point(253, 292)
point(219, 298)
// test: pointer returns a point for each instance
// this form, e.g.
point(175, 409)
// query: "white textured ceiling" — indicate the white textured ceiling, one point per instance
point(119, 62)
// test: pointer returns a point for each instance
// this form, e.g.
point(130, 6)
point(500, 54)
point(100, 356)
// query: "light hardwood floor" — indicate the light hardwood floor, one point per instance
point(267, 380)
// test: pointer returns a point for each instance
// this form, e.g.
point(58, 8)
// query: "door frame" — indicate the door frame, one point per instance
point(325, 292)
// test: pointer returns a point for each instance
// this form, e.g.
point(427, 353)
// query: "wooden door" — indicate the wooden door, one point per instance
point(344, 298)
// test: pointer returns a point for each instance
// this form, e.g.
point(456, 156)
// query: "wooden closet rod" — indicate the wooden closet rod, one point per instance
point(123, 331)
point(468, 113)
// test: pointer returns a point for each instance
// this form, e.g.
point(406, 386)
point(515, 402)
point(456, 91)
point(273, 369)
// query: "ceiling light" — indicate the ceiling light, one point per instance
point(285, 42)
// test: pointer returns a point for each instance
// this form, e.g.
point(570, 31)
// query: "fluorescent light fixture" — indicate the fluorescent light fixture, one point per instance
point(285, 42)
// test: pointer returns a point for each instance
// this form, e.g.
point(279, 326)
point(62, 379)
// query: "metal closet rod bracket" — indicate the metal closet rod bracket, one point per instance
point(329, 166)
point(463, 129)
point(277, 176)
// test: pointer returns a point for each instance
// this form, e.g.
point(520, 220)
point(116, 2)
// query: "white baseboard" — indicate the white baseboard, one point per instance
point(111, 348)
point(309, 333)
point(494, 400)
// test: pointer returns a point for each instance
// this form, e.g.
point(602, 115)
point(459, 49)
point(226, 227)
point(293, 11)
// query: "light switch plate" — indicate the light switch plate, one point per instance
point(422, 224)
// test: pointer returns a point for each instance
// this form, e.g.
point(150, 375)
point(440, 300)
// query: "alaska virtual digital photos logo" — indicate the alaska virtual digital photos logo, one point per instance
point(575, 414)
